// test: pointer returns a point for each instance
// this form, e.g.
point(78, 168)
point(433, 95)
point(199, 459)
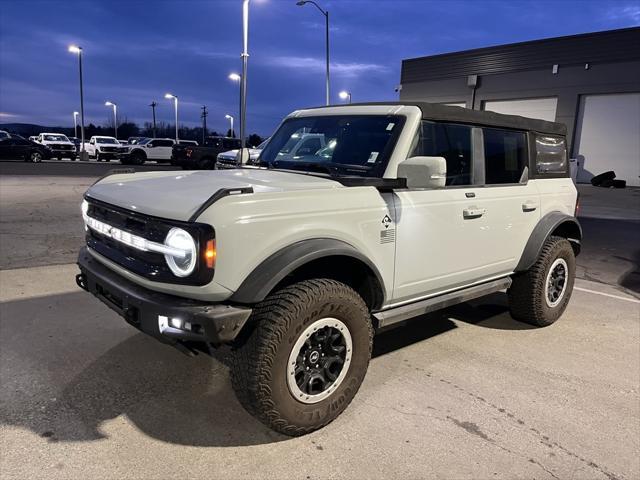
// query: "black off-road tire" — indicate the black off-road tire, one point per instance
point(259, 366)
point(527, 294)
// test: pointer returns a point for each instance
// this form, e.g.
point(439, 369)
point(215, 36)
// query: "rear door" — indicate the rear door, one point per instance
point(511, 200)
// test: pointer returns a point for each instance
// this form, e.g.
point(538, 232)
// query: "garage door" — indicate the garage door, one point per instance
point(542, 108)
point(608, 136)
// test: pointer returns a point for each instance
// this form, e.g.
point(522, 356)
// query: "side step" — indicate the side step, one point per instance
point(404, 312)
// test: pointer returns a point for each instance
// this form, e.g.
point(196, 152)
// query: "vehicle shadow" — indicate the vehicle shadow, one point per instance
point(56, 385)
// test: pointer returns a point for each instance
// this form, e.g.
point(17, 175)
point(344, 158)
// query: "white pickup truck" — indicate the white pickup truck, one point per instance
point(60, 145)
point(105, 148)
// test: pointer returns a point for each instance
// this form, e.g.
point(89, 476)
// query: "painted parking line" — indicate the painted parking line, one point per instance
point(627, 299)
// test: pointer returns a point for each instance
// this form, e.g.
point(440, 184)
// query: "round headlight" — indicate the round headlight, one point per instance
point(181, 265)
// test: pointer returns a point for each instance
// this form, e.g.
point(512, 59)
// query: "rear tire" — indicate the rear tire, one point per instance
point(306, 357)
point(540, 295)
point(35, 157)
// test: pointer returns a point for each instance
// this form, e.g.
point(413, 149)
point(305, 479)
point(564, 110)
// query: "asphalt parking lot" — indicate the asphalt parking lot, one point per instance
point(463, 393)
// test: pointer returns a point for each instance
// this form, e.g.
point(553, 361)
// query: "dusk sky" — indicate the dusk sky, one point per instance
point(135, 51)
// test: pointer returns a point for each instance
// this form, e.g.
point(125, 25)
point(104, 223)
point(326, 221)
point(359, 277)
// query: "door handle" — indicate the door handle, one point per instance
point(529, 207)
point(473, 212)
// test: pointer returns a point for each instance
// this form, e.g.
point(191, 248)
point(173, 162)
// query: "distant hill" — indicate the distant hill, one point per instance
point(29, 129)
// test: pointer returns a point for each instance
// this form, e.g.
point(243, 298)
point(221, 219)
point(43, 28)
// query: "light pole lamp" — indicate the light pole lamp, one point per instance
point(175, 107)
point(75, 124)
point(326, 22)
point(115, 116)
point(78, 51)
point(230, 118)
point(344, 95)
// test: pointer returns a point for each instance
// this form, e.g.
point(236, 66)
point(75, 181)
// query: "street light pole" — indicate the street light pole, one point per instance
point(243, 82)
point(230, 118)
point(204, 122)
point(175, 107)
point(153, 111)
point(115, 116)
point(326, 25)
point(75, 124)
point(78, 50)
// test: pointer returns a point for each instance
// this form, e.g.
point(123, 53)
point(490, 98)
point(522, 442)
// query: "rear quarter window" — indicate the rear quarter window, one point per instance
point(550, 154)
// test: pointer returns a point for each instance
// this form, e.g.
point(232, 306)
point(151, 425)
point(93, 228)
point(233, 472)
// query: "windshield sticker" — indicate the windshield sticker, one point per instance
point(373, 157)
point(390, 126)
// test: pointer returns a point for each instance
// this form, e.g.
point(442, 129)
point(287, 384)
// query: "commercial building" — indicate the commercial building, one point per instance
point(590, 82)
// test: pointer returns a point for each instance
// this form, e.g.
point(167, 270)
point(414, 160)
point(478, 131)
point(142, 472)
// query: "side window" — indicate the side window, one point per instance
point(551, 154)
point(163, 143)
point(451, 141)
point(505, 154)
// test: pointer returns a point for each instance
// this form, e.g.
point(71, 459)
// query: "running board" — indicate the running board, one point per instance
point(404, 312)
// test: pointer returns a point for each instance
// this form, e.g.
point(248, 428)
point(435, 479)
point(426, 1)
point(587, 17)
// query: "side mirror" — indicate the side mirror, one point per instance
point(424, 172)
point(92, 141)
point(242, 157)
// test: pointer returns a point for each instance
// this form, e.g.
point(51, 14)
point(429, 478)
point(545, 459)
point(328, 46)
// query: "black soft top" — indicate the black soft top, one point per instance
point(435, 111)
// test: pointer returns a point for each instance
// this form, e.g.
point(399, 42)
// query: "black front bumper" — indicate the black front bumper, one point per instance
point(153, 312)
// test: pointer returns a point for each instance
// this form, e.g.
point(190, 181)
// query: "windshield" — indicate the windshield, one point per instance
point(143, 141)
point(111, 141)
point(56, 138)
point(344, 144)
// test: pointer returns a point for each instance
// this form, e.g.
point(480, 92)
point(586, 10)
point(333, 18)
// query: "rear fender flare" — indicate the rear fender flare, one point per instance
point(550, 223)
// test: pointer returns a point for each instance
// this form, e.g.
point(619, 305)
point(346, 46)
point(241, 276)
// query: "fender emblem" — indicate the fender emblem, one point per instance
point(386, 221)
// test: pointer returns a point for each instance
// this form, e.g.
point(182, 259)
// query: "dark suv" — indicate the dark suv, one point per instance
point(202, 157)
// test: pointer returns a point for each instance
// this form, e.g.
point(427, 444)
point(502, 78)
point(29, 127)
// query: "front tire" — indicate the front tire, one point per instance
point(306, 357)
point(540, 295)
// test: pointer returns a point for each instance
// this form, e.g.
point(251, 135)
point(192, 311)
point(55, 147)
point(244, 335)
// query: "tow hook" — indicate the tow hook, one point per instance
point(81, 281)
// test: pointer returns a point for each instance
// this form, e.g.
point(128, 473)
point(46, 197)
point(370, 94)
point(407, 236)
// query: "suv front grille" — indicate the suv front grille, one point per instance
point(151, 265)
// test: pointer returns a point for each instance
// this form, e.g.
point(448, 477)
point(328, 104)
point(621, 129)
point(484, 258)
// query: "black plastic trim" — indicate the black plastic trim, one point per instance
point(541, 232)
point(382, 184)
point(274, 269)
point(223, 192)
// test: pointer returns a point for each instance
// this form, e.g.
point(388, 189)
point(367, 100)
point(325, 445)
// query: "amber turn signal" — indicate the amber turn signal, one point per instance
point(210, 254)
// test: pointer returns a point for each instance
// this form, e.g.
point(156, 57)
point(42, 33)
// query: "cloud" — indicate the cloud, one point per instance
point(316, 65)
point(626, 13)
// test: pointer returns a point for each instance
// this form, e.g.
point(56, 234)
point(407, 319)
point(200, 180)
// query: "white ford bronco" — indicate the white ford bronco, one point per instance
point(296, 261)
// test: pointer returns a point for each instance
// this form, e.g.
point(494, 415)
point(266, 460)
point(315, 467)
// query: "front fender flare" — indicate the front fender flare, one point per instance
point(546, 226)
point(266, 276)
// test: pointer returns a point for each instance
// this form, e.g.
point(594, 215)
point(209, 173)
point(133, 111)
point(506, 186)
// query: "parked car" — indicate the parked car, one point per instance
point(228, 159)
point(59, 144)
point(158, 149)
point(202, 157)
point(15, 147)
point(105, 148)
point(134, 140)
point(409, 207)
point(77, 142)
